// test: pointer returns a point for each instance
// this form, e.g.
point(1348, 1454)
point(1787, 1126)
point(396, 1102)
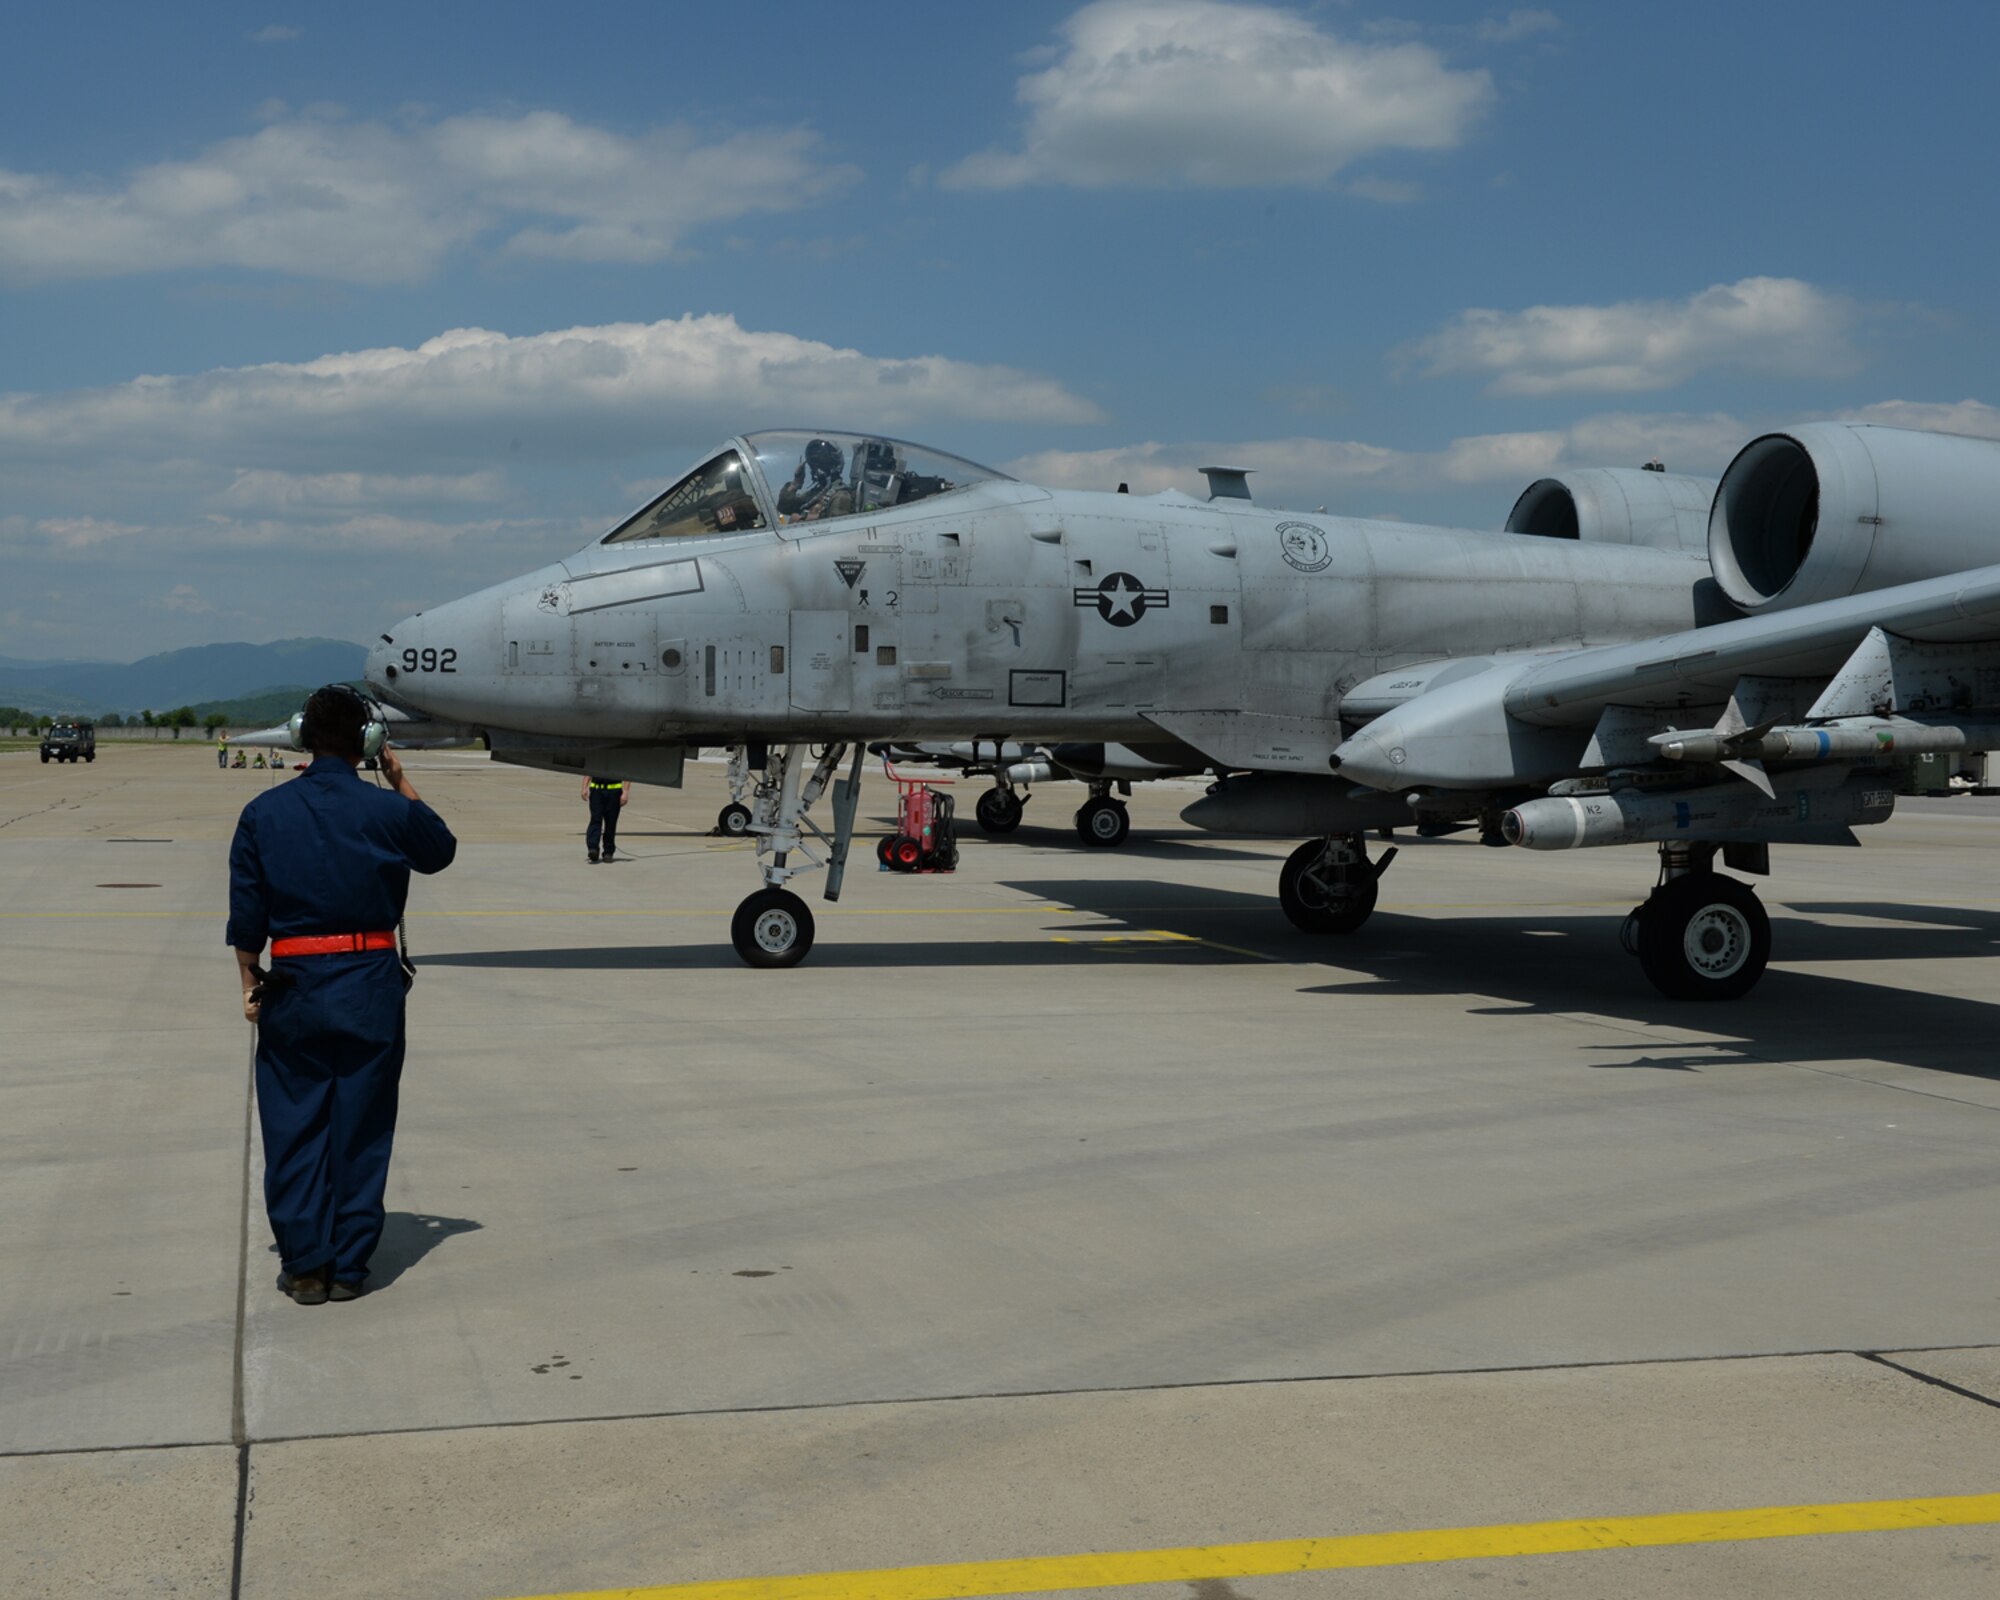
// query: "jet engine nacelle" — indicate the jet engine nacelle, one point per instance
point(1837, 508)
point(1617, 505)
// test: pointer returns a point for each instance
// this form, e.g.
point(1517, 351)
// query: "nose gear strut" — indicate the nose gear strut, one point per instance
point(774, 927)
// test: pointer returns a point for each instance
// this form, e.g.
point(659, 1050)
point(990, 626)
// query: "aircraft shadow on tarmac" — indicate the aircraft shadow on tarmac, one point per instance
point(1147, 846)
point(1532, 964)
point(1549, 965)
point(407, 1237)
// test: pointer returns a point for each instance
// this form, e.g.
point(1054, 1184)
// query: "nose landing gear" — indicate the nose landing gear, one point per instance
point(774, 927)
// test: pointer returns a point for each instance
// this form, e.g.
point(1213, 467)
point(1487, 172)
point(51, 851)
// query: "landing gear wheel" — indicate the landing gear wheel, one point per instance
point(1628, 930)
point(998, 811)
point(1703, 936)
point(905, 853)
point(1324, 896)
point(1103, 823)
point(772, 928)
point(733, 820)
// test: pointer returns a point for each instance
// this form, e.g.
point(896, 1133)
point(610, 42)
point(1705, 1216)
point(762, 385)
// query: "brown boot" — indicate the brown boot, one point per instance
point(305, 1288)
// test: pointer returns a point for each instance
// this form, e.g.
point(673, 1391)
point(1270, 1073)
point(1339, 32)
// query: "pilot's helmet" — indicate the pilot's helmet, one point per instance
point(824, 458)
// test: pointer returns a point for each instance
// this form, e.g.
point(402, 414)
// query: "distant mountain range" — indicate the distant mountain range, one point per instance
point(206, 673)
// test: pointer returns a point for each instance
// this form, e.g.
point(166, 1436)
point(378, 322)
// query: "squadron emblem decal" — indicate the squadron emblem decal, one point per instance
point(1121, 599)
point(554, 598)
point(1304, 547)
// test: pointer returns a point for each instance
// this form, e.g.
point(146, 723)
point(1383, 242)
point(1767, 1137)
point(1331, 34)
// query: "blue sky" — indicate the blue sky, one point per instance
point(312, 318)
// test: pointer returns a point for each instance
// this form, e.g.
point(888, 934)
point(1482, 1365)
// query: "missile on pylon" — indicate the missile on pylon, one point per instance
point(1853, 741)
point(1724, 813)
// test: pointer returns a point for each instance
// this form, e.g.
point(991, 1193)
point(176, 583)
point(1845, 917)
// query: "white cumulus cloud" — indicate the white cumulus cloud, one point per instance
point(1974, 417)
point(1209, 94)
point(578, 393)
point(317, 195)
point(1349, 473)
point(1777, 327)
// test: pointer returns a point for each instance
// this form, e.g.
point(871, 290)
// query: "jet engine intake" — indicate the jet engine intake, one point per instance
point(1617, 505)
point(1837, 508)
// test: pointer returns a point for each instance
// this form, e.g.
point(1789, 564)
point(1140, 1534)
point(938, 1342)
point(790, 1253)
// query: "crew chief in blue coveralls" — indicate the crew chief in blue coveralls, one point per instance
point(321, 867)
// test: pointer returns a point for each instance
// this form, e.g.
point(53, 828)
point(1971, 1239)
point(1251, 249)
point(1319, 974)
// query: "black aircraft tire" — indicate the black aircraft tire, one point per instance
point(1103, 824)
point(772, 928)
point(733, 820)
point(1704, 936)
point(998, 811)
point(1316, 905)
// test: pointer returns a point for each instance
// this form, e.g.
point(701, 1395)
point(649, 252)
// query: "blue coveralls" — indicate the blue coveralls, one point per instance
point(606, 796)
point(328, 853)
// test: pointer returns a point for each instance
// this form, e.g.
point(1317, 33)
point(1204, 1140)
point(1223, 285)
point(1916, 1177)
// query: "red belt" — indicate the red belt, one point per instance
point(332, 944)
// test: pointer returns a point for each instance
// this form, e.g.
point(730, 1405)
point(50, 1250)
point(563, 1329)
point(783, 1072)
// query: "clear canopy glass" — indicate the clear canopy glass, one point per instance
point(815, 476)
point(714, 498)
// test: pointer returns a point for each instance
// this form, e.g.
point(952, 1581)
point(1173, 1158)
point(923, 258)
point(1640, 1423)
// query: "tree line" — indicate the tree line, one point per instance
point(15, 720)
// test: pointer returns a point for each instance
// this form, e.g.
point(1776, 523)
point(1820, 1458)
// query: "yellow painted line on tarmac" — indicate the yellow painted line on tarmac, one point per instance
point(1161, 939)
point(1197, 1563)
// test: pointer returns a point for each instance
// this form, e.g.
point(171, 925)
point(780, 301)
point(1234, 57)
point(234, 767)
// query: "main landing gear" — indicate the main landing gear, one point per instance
point(1699, 935)
point(774, 927)
point(1328, 885)
point(999, 810)
point(1102, 820)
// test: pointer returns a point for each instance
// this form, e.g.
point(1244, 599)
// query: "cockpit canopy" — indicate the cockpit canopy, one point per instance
point(795, 476)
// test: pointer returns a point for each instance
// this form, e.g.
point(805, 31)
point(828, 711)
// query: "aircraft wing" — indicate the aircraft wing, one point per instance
point(1917, 647)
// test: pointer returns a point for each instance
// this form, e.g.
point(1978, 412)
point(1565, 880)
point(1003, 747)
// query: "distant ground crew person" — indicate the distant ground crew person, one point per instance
point(221, 751)
point(607, 797)
point(321, 867)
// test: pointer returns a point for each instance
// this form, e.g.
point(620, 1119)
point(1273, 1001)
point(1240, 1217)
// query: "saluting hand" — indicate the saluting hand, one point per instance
point(393, 770)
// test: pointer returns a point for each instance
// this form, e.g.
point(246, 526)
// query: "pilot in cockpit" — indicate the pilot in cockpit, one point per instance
point(825, 495)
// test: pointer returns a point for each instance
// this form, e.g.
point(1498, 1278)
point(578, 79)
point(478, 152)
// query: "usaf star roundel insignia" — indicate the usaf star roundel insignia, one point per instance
point(1304, 547)
point(1122, 599)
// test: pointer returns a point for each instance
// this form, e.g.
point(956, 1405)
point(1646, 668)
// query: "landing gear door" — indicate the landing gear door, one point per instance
point(821, 666)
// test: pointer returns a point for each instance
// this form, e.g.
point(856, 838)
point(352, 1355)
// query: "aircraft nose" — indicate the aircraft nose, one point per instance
point(382, 673)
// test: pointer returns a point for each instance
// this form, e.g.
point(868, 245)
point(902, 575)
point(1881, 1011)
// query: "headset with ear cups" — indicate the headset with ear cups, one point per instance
point(374, 731)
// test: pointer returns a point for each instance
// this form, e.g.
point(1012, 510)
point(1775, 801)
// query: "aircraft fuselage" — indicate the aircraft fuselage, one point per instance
point(1005, 611)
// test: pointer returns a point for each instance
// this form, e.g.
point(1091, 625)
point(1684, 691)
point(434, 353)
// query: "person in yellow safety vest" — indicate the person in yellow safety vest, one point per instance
point(221, 751)
point(607, 797)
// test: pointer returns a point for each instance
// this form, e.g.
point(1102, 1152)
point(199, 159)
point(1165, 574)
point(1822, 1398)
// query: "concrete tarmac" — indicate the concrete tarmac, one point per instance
point(1068, 1203)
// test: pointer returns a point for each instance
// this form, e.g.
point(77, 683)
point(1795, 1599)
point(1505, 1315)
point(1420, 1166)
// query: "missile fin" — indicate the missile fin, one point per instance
point(1752, 773)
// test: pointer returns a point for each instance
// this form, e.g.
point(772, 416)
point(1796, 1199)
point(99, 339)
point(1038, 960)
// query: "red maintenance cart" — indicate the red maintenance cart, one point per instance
point(923, 840)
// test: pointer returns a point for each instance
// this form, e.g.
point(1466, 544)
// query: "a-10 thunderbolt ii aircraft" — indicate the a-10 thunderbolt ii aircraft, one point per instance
point(1630, 662)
